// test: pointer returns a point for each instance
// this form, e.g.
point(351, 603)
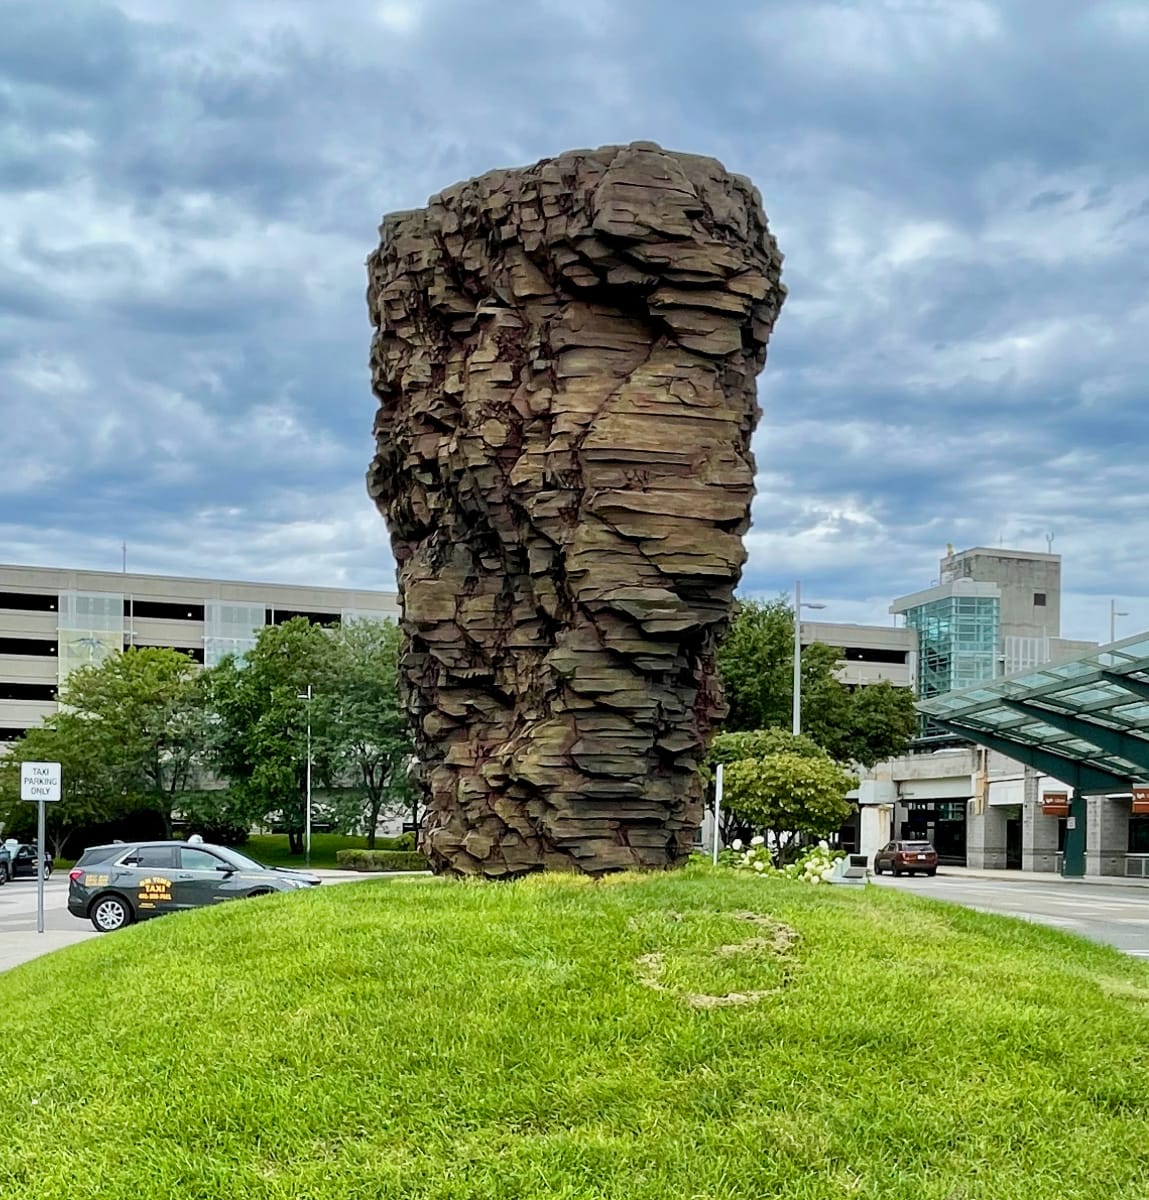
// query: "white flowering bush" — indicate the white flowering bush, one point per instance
point(756, 857)
point(816, 865)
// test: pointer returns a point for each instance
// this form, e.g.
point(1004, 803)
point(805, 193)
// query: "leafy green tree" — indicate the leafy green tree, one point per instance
point(789, 797)
point(90, 793)
point(144, 717)
point(756, 664)
point(259, 738)
point(363, 720)
point(762, 743)
point(881, 723)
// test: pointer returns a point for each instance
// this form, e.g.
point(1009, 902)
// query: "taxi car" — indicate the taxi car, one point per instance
point(114, 885)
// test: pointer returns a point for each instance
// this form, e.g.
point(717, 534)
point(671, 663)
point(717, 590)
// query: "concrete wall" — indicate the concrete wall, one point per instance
point(1038, 831)
point(985, 837)
point(1107, 835)
point(1020, 575)
point(863, 644)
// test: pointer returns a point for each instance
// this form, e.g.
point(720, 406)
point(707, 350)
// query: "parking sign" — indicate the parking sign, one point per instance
point(39, 781)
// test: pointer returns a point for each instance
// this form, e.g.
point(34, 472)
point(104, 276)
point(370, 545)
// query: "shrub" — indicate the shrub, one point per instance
point(816, 865)
point(381, 860)
point(405, 841)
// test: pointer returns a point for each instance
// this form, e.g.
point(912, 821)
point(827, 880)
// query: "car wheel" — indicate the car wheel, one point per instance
point(110, 913)
point(5, 873)
point(897, 871)
point(877, 867)
point(260, 892)
point(932, 871)
point(47, 872)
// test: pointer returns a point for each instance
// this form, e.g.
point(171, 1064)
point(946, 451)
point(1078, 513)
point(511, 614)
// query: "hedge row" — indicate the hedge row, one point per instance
point(381, 860)
point(405, 841)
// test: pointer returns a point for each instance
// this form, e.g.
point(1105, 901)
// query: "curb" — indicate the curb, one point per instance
point(1042, 877)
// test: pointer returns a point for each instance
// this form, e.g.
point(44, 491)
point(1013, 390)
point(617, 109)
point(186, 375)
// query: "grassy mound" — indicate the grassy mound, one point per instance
point(692, 1035)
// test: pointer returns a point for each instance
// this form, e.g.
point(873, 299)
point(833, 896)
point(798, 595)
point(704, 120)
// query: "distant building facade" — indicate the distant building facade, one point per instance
point(53, 620)
point(991, 612)
point(870, 653)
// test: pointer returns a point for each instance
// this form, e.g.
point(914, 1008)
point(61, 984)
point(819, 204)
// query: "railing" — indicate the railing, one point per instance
point(1137, 866)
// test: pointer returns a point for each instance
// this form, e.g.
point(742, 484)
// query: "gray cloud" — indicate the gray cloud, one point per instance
point(187, 193)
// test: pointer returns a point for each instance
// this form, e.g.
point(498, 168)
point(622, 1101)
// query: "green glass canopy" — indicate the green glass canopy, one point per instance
point(1085, 721)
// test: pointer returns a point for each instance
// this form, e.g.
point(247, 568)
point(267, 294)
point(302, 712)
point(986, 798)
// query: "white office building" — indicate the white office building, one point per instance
point(53, 620)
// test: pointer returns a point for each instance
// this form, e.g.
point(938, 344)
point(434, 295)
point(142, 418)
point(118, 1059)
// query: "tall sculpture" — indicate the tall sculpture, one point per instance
point(565, 359)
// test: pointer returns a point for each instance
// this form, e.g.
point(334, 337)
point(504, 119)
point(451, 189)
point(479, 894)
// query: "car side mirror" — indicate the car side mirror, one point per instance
point(226, 870)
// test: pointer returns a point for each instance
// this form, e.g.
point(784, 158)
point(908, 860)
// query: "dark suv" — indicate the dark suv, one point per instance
point(906, 858)
point(114, 885)
point(25, 861)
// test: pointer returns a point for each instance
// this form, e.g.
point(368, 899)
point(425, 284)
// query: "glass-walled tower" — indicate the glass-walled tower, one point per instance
point(959, 628)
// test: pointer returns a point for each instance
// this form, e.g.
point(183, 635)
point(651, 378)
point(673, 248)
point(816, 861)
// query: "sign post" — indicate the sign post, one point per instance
point(717, 809)
point(40, 783)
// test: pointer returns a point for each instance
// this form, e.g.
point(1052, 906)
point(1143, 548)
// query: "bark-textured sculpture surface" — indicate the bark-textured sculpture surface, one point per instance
point(565, 359)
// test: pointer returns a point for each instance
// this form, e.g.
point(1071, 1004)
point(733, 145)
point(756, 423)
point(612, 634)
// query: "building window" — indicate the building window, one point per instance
point(28, 691)
point(35, 647)
point(875, 655)
point(162, 610)
point(1039, 599)
point(27, 602)
point(280, 616)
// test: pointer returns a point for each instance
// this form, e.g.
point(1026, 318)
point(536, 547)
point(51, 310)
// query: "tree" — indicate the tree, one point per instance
point(89, 791)
point(363, 720)
point(880, 722)
point(260, 710)
point(756, 663)
point(790, 797)
point(143, 716)
point(762, 743)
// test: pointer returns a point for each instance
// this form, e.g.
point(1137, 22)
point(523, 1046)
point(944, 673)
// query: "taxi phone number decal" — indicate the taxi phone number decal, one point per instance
point(154, 890)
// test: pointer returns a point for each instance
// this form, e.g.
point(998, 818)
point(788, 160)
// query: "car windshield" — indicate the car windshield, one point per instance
point(239, 860)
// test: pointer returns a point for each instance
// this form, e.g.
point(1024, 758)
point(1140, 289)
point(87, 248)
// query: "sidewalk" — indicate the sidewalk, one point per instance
point(17, 948)
point(1042, 877)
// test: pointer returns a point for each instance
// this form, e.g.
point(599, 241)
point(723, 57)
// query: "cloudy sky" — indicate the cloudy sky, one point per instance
point(961, 189)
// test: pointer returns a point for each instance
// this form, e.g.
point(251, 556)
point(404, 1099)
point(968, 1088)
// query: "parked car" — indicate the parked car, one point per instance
point(902, 858)
point(5, 864)
point(25, 862)
point(114, 885)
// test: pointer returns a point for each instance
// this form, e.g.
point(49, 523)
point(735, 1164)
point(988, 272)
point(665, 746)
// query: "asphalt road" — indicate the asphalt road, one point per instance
point(1113, 914)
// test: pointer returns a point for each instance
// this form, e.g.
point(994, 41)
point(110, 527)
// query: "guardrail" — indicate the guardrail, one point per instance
point(1137, 866)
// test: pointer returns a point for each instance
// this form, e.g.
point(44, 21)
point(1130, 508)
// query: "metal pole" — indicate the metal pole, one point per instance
point(307, 812)
point(1113, 620)
point(717, 809)
point(40, 822)
point(797, 722)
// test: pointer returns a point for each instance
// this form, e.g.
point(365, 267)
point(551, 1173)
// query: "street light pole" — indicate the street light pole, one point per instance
point(799, 604)
point(307, 806)
point(1113, 615)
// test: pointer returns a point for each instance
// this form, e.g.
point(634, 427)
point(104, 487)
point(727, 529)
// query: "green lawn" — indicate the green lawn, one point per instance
point(272, 849)
point(563, 1038)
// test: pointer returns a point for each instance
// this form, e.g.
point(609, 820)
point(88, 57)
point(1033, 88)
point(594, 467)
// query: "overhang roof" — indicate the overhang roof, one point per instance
point(1085, 721)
